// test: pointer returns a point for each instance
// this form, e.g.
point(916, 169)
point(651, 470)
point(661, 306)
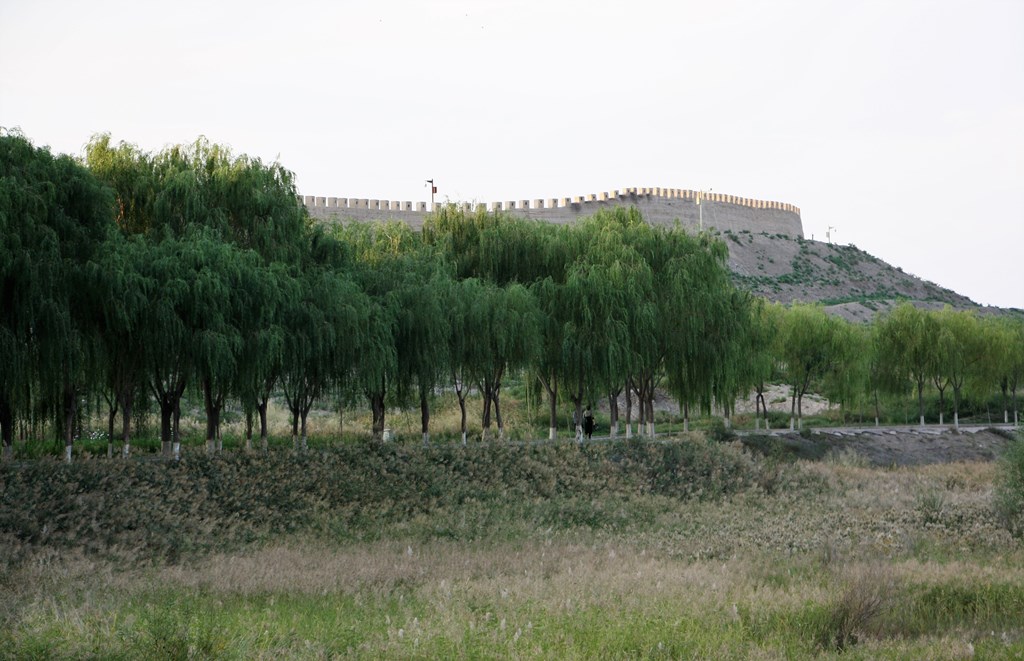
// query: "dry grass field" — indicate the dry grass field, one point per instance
point(804, 560)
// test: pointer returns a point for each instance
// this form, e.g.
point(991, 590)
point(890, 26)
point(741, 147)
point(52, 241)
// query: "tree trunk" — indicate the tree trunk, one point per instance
point(304, 441)
point(497, 412)
point(111, 417)
point(462, 411)
point(641, 400)
point(70, 401)
point(629, 408)
point(552, 391)
point(262, 408)
point(176, 446)
point(613, 413)
point(577, 416)
point(920, 400)
point(758, 403)
point(7, 428)
point(212, 416)
point(424, 416)
point(127, 403)
point(686, 417)
point(650, 412)
point(792, 411)
point(485, 417)
point(377, 408)
point(166, 426)
point(248, 428)
point(294, 408)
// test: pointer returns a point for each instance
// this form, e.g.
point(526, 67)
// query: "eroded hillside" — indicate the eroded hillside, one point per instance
point(847, 280)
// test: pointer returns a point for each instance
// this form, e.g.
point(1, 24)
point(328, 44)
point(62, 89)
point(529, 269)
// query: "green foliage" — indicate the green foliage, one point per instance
point(1009, 494)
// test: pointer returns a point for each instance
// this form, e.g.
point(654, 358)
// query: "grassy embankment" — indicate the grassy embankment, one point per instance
point(620, 551)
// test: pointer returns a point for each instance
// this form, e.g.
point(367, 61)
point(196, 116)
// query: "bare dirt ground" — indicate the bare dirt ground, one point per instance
point(900, 446)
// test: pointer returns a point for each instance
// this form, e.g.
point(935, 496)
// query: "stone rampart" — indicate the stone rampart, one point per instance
point(659, 206)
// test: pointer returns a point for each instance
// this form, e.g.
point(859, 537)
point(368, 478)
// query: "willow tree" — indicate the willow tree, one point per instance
point(123, 290)
point(129, 172)
point(1006, 354)
point(961, 350)
point(551, 335)
point(166, 333)
point(223, 310)
point(323, 340)
point(811, 344)
point(417, 279)
point(614, 240)
point(762, 366)
point(506, 331)
point(907, 344)
point(54, 215)
point(262, 351)
point(595, 336)
point(462, 302)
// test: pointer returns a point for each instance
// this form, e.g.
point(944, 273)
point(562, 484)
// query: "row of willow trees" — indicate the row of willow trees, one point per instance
point(132, 277)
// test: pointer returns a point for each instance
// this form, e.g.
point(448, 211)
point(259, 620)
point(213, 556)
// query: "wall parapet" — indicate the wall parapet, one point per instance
point(658, 205)
point(623, 195)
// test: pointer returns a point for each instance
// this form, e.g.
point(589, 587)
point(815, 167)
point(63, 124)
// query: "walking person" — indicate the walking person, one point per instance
point(588, 423)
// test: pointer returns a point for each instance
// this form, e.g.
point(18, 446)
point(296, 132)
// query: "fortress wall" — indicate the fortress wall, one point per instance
point(659, 206)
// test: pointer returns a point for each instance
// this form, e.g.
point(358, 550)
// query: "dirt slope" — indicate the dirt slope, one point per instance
point(847, 280)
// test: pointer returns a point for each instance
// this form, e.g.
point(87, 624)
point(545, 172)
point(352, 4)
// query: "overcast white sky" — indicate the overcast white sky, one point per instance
point(900, 123)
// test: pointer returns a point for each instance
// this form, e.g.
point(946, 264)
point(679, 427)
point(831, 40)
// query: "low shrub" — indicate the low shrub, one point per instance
point(160, 508)
point(1009, 493)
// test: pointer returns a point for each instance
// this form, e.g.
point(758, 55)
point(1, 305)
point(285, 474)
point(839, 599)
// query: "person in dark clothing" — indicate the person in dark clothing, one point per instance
point(588, 423)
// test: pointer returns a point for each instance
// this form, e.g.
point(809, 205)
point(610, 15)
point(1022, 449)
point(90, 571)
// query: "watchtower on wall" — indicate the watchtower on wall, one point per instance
point(658, 206)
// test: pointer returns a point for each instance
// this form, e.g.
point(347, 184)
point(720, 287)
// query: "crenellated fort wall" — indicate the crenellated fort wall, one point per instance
point(659, 206)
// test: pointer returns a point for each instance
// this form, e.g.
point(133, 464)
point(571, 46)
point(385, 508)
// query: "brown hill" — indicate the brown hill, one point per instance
point(847, 280)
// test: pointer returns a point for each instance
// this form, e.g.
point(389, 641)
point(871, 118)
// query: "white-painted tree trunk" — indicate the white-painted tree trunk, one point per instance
point(614, 431)
point(728, 422)
point(220, 444)
point(426, 439)
point(650, 429)
point(686, 425)
point(552, 433)
point(110, 450)
point(176, 449)
point(922, 421)
point(629, 430)
point(956, 420)
point(463, 438)
point(211, 446)
point(942, 419)
point(127, 450)
point(1006, 416)
point(792, 423)
point(876, 421)
point(264, 444)
point(67, 453)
